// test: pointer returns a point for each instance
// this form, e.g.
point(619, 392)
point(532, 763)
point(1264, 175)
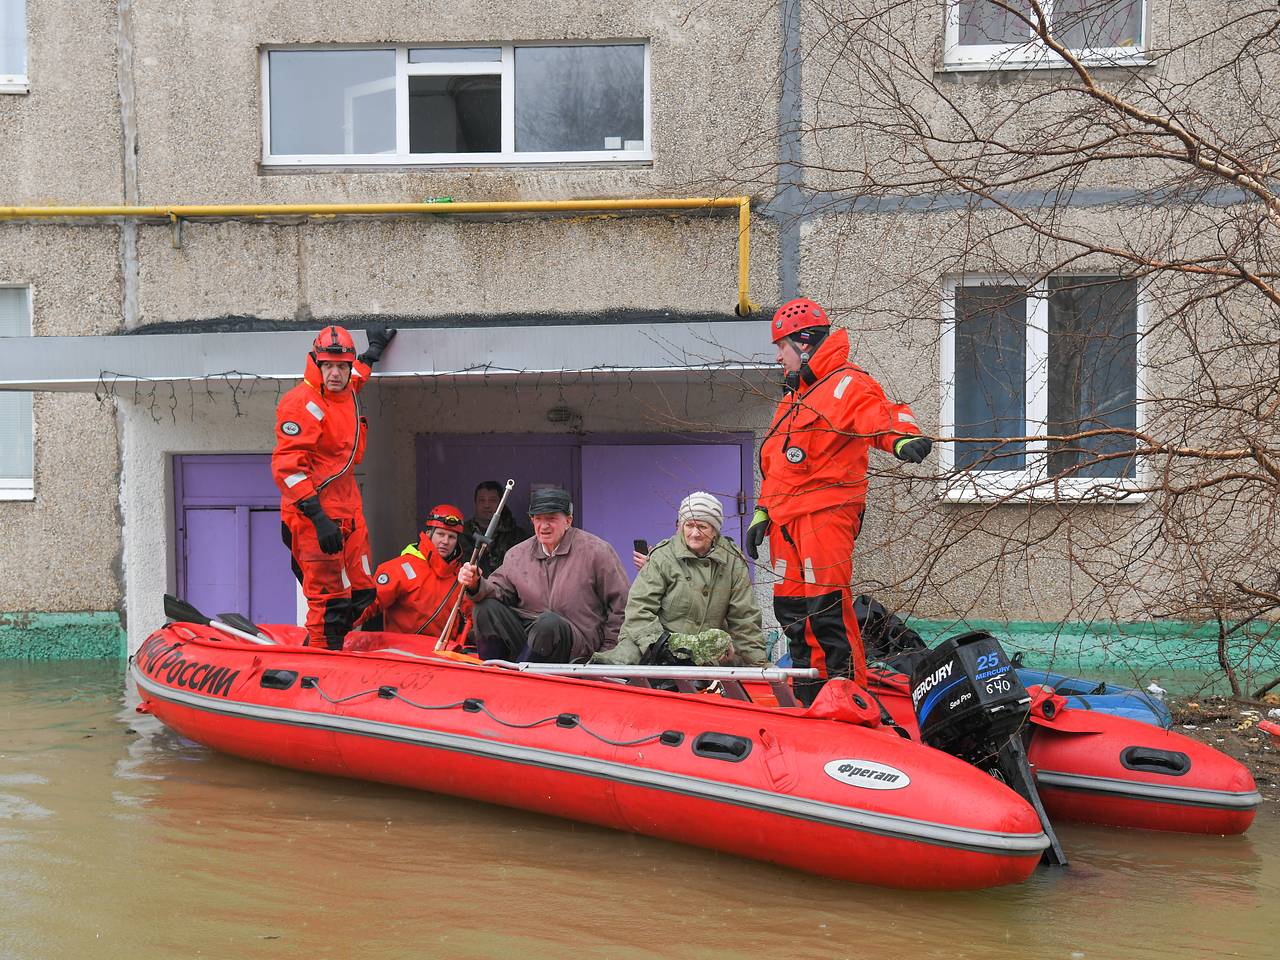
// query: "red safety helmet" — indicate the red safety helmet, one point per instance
point(796, 315)
point(444, 516)
point(333, 344)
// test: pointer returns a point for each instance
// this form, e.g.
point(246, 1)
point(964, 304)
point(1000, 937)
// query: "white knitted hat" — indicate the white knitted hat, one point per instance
point(701, 506)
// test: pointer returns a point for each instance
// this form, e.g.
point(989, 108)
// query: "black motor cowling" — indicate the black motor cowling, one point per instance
point(967, 697)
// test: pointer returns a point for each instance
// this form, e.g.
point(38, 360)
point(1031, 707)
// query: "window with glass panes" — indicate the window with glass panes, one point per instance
point(994, 33)
point(1023, 363)
point(518, 103)
point(16, 451)
point(13, 45)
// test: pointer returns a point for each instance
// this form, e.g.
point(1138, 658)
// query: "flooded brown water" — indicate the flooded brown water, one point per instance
point(119, 839)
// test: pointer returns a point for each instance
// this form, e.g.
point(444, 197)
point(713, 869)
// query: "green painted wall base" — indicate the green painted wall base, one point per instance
point(1066, 648)
point(1113, 647)
point(92, 635)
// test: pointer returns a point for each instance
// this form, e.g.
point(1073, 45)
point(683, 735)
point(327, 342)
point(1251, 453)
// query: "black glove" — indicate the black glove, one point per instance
point(912, 449)
point(757, 532)
point(379, 337)
point(327, 531)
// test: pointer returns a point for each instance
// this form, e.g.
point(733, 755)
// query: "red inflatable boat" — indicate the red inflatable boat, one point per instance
point(828, 790)
point(1095, 767)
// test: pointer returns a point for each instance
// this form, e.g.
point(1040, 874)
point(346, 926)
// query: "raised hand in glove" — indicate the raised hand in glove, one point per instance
point(757, 532)
point(327, 531)
point(379, 337)
point(912, 449)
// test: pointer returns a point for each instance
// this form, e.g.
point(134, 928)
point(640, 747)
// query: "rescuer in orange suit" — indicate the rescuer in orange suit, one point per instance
point(320, 438)
point(417, 589)
point(813, 465)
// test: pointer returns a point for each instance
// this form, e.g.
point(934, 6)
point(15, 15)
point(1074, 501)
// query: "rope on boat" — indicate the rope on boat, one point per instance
point(566, 721)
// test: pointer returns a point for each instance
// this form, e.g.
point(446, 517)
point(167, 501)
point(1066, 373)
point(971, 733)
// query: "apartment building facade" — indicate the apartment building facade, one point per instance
point(608, 350)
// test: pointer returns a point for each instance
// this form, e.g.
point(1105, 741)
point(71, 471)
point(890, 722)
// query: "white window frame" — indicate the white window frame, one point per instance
point(22, 488)
point(1032, 54)
point(17, 82)
point(1029, 483)
point(505, 68)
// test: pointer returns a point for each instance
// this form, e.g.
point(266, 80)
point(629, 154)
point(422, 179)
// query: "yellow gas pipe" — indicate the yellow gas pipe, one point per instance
point(177, 213)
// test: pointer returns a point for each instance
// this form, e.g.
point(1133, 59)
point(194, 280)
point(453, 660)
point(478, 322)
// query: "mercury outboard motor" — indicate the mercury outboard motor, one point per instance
point(970, 703)
point(967, 697)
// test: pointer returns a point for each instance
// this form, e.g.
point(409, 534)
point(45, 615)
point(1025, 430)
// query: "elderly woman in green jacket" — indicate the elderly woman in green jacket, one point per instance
point(695, 593)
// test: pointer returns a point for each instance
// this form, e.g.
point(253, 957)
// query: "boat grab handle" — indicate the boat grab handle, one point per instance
point(1171, 763)
point(278, 679)
point(722, 746)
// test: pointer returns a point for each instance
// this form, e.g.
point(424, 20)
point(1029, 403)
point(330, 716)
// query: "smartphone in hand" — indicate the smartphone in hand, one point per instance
point(640, 546)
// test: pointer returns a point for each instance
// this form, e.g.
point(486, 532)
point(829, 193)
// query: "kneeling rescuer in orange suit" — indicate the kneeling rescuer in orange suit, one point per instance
point(813, 488)
point(320, 438)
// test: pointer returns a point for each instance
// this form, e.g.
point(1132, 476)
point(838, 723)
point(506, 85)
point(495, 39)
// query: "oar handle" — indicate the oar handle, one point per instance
point(476, 554)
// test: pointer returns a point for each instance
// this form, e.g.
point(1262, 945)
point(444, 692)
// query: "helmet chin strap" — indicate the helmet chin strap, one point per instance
point(806, 349)
point(807, 376)
point(804, 375)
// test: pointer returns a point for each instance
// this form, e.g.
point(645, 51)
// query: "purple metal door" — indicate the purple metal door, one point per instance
point(449, 467)
point(229, 553)
point(273, 589)
point(212, 575)
point(632, 491)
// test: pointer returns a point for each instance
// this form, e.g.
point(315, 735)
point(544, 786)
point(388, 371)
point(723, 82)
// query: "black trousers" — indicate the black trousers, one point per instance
point(822, 617)
point(502, 634)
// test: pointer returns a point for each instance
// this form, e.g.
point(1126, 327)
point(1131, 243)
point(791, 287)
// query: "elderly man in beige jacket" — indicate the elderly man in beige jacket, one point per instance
point(558, 596)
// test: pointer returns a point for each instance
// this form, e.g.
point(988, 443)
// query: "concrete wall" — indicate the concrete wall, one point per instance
point(413, 268)
point(60, 142)
point(61, 550)
point(199, 97)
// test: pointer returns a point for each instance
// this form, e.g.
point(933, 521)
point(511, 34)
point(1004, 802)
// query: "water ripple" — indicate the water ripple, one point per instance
point(14, 807)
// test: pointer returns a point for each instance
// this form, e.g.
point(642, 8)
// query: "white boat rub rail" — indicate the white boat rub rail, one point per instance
point(1166, 793)
point(817, 811)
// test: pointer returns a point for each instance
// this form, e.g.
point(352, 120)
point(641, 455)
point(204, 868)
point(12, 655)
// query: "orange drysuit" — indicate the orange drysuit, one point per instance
point(417, 590)
point(320, 437)
point(813, 464)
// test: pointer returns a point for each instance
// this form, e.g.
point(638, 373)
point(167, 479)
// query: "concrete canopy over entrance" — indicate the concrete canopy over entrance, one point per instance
point(670, 348)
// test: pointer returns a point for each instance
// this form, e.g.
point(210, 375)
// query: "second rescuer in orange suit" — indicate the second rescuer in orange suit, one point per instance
point(417, 589)
point(813, 464)
point(320, 438)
